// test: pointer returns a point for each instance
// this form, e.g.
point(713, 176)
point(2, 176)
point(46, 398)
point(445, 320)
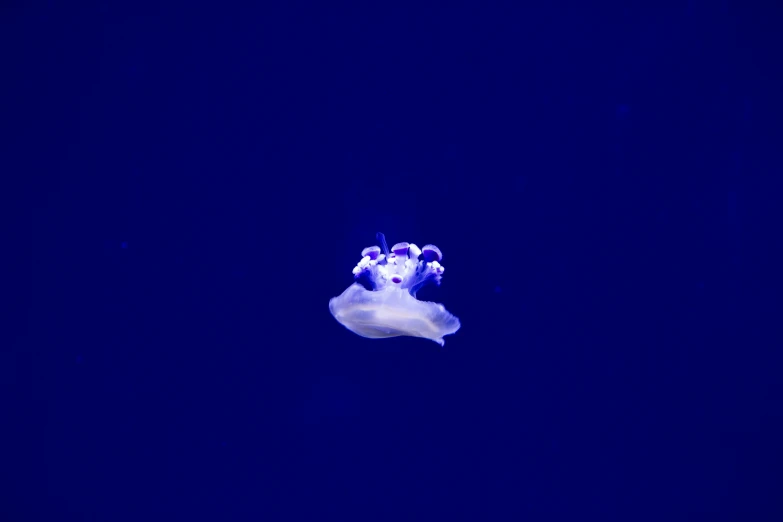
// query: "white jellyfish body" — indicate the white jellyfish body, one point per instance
point(391, 308)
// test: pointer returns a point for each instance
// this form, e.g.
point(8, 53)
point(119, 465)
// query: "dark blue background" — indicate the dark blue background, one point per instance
point(190, 184)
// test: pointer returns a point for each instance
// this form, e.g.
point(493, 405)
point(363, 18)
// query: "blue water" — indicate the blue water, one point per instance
point(193, 183)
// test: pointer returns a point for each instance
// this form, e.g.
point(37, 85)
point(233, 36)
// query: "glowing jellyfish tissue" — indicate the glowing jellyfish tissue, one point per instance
point(391, 309)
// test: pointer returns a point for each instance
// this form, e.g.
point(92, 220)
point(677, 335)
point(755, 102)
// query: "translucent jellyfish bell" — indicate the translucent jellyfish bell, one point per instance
point(391, 308)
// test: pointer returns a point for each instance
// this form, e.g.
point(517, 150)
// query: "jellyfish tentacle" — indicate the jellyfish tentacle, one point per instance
point(382, 239)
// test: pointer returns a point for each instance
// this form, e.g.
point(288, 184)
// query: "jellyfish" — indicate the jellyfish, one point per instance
point(391, 309)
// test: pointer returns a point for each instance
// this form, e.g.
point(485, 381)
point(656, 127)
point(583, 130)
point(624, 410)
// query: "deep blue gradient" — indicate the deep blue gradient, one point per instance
point(190, 184)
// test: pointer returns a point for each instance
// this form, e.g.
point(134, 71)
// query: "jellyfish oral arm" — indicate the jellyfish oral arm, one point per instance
point(401, 267)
